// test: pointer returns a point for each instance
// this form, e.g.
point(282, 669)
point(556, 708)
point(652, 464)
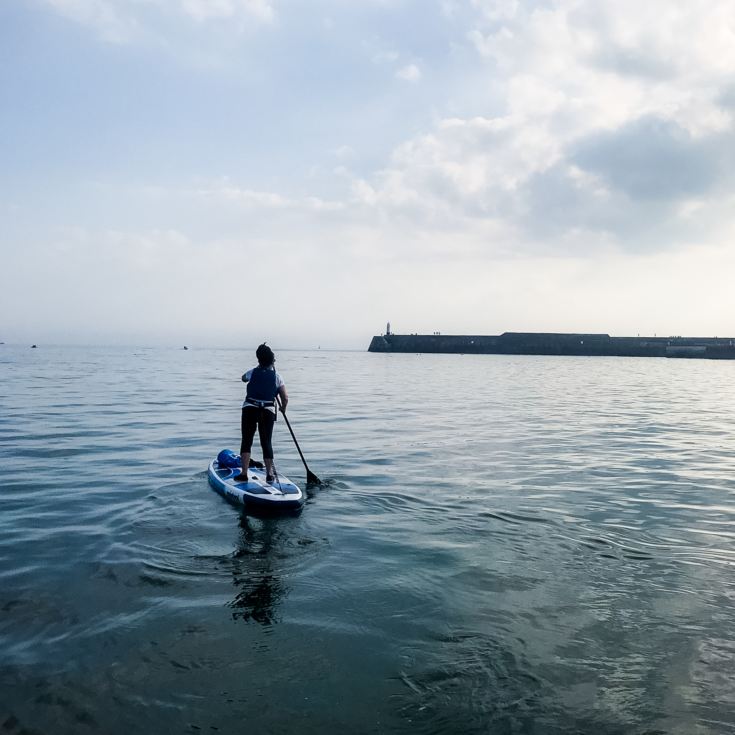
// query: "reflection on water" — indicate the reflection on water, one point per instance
point(554, 556)
point(255, 571)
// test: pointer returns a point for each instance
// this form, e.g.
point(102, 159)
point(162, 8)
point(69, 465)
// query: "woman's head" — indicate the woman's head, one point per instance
point(265, 355)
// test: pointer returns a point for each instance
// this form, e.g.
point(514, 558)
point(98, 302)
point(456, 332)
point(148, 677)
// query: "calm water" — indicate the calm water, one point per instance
point(505, 545)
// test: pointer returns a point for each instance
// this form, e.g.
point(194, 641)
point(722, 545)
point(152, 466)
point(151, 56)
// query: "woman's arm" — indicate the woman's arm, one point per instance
point(284, 398)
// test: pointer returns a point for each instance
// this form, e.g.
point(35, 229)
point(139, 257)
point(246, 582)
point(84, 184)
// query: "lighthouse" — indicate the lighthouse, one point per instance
point(387, 329)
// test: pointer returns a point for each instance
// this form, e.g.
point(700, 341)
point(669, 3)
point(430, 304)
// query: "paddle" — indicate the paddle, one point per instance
point(311, 478)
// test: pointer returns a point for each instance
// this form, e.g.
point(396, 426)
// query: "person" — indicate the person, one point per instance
point(259, 410)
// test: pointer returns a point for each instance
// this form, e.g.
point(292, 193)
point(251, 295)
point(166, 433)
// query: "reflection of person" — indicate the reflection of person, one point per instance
point(259, 409)
point(259, 587)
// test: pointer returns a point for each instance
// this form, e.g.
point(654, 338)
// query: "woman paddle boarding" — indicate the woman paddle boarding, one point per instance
point(259, 410)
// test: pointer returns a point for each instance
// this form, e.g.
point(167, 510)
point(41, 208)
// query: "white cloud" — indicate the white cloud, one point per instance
point(228, 193)
point(610, 122)
point(388, 56)
point(409, 73)
point(497, 9)
point(344, 151)
point(245, 197)
point(202, 10)
point(385, 57)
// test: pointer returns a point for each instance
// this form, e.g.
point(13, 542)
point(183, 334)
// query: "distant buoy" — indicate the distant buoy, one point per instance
point(185, 347)
point(33, 346)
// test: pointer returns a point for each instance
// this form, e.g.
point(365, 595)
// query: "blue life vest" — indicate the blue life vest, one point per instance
point(262, 385)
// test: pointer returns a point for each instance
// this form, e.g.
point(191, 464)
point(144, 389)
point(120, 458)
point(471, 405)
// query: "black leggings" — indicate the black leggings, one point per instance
point(263, 419)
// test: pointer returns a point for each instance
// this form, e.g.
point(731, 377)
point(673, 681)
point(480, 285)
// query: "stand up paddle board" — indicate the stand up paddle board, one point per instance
point(281, 494)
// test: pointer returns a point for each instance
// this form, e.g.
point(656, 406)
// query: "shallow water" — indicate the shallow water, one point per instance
point(504, 545)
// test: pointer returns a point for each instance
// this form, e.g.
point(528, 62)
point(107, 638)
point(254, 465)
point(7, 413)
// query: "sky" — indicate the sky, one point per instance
point(222, 172)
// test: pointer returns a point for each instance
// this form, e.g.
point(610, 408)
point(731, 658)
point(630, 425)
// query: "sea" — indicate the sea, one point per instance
point(500, 544)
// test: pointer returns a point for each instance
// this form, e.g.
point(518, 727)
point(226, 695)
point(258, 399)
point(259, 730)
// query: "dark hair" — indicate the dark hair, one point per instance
point(265, 355)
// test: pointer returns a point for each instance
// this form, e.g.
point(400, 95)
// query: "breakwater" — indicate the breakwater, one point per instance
point(551, 343)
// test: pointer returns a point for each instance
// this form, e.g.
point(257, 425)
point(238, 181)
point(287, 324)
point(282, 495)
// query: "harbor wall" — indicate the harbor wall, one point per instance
point(551, 343)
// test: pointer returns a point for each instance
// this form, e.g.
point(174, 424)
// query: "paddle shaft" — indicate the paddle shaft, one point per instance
point(310, 476)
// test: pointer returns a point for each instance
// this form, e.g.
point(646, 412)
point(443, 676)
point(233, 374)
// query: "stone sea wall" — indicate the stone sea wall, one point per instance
point(549, 343)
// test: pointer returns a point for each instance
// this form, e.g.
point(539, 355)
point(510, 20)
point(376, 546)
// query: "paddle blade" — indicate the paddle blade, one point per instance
point(312, 479)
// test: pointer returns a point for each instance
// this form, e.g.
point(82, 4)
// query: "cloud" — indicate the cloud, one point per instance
point(409, 73)
point(648, 184)
point(651, 159)
point(262, 200)
point(203, 10)
point(609, 130)
point(609, 124)
point(465, 168)
point(245, 197)
point(616, 60)
point(343, 151)
point(385, 57)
